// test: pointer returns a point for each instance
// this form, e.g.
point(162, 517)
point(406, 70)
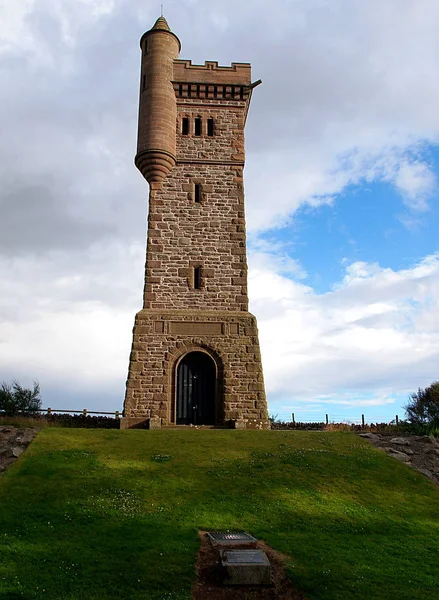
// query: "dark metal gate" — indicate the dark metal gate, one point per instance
point(196, 376)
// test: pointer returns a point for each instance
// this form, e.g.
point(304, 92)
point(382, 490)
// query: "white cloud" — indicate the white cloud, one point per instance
point(349, 90)
point(381, 401)
point(356, 104)
point(376, 330)
point(67, 319)
point(375, 333)
point(355, 401)
point(350, 94)
point(13, 29)
point(416, 182)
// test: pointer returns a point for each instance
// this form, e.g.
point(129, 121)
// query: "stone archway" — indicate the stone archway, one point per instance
point(196, 390)
point(215, 359)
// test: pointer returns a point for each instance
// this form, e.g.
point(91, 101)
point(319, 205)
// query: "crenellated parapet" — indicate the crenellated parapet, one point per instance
point(236, 74)
point(211, 81)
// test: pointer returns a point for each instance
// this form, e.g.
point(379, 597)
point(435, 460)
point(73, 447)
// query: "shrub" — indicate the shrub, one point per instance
point(423, 406)
point(17, 400)
point(39, 421)
point(78, 420)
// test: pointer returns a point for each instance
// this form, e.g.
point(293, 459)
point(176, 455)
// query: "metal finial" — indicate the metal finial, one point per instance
point(161, 9)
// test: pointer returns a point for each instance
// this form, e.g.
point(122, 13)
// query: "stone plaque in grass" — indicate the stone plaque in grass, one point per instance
point(231, 539)
point(245, 567)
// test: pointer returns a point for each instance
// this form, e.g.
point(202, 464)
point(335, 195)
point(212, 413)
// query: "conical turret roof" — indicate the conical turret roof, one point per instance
point(161, 23)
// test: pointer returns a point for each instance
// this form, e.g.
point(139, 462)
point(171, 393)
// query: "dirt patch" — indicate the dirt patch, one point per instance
point(208, 583)
point(13, 442)
point(419, 452)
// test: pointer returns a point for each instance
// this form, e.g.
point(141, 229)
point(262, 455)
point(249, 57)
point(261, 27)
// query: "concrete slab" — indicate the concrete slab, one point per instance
point(245, 567)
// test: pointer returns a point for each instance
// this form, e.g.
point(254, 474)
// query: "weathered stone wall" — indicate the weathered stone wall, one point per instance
point(184, 234)
point(231, 339)
point(227, 143)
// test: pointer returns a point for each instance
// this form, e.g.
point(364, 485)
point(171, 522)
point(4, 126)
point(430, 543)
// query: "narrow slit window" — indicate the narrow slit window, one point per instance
point(146, 47)
point(180, 90)
point(198, 126)
point(215, 91)
point(197, 278)
point(197, 192)
point(143, 82)
point(210, 127)
point(185, 126)
point(189, 91)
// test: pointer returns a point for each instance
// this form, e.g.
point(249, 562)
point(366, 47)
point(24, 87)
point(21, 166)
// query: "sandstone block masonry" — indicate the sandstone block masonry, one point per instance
point(195, 295)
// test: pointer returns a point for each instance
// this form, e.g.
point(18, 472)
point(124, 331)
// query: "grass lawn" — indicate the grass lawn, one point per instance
point(100, 515)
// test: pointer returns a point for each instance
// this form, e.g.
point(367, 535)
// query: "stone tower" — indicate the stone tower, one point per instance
point(195, 356)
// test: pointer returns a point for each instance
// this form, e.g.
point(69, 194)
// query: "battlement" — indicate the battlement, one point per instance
point(211, 72)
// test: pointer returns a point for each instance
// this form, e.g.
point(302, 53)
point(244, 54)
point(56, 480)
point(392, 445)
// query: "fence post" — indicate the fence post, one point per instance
point(117, 414)
point(294, 420)
point(397, 420)
point(49, 411)
point(84, 412)
point(362, 420)
point(327, 420)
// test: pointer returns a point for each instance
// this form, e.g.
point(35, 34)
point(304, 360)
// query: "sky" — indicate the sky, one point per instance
point(341, 183)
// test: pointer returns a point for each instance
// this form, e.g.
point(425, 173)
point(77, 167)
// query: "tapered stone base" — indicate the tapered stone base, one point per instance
point(142, 423)
point(162, 338)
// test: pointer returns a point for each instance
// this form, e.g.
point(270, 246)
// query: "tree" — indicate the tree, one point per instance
point(17, 400)
point(423, 406)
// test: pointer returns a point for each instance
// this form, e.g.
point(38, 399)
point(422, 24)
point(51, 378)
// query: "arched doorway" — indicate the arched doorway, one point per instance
point(195, 390)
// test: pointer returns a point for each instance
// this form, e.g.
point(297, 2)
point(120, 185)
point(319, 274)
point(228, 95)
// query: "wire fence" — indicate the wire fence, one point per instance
point(360, 420)
point(50, 411)
point(326, 419)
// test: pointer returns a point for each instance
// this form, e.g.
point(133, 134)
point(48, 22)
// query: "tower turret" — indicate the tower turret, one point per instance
point(157, 105)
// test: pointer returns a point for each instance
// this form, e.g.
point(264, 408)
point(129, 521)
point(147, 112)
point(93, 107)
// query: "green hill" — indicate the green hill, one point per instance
point(100, 515)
